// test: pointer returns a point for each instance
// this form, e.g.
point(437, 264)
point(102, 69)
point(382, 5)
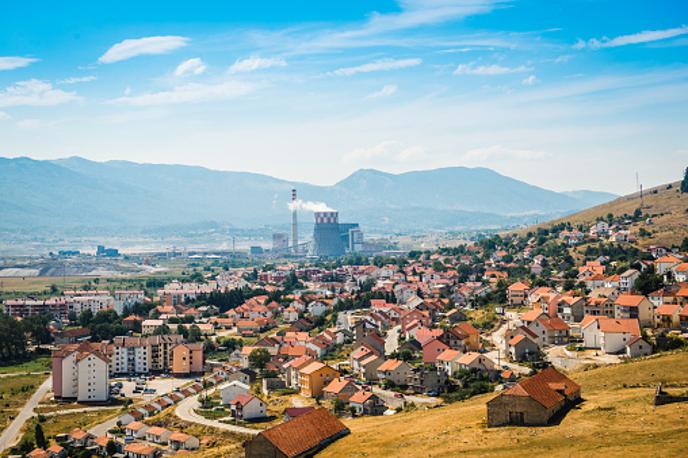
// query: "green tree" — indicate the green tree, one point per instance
point(85, 317)
point(162, 330)
point(12, 340)
point(259, 358)
point(39, 436)
point(111, 447)
point(684, 183)
point(182, 331)
point(194, 334)
point(684, 244)
point(648, 281)
point(72, 316)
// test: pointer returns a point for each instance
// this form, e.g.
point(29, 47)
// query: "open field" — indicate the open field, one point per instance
point(39, 364)
point(14, 392)
point(668, 227)
point(616, 418)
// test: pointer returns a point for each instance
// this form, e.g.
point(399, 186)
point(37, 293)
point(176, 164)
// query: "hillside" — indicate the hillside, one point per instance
point(616, 417)
point(76, 193)
point(665, 205)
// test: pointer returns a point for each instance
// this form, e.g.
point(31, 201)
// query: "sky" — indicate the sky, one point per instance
point(561, 94)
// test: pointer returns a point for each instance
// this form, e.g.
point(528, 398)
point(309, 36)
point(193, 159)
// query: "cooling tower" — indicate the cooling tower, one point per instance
point(326, 238)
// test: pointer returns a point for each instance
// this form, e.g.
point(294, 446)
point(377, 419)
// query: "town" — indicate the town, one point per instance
point(276, 359)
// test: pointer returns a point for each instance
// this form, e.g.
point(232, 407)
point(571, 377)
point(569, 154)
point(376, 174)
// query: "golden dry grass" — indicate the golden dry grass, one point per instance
point(669, 228)
point(14, 392)
point(616, 418)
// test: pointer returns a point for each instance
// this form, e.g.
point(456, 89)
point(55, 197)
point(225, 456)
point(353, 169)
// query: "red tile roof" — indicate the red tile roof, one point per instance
point(305, 433)
point(542, 387)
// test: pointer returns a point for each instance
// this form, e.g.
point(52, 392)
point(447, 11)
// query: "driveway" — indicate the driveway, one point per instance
point(186, 411)
point(562, 359)
point(10, 436)
point(389, 398)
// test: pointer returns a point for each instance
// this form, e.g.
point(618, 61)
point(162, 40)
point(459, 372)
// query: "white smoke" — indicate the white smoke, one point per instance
point(309, 206)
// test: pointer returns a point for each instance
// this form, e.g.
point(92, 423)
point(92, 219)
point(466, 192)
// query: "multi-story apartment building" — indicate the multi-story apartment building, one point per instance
point(127, 299)
point(21, 308)
point(80, 371)
point(166, 353)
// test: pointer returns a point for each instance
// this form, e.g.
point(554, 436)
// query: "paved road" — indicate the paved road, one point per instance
point(497, 338)
point(186, 411)
point(83, 410)
point(10, 436)
point(102, 428)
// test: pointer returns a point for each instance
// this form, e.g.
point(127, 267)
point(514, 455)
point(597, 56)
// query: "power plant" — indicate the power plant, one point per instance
point(294, 224)
point(327, 240)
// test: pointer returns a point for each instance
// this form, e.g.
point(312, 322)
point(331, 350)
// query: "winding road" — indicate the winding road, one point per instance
point(186, 411)
point(10, 436)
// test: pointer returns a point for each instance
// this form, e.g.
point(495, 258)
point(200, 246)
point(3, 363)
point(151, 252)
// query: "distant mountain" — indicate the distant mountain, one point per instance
point(591, 198)
point(75, 192)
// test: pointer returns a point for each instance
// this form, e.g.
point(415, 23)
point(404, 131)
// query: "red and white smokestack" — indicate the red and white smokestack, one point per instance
point(294, 223)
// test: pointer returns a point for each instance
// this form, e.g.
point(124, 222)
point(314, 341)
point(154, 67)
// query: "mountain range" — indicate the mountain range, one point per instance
point(78, 193)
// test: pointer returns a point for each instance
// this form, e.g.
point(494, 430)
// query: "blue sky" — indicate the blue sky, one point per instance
point(562, 94)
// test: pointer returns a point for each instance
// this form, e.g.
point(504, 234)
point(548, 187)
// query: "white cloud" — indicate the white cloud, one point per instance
point(34, 93)
point(12, 62)
point(194, 66)
point(30, 123)
point(646, 36)
point(4, 116)
point(133, 47)
point(253, 63)
point(386, 91)
point(378, 66)
point(188, 93)
point(529, 81)
point(389, 150)
point(78, 79)
point(488, 70)
point(499, 152)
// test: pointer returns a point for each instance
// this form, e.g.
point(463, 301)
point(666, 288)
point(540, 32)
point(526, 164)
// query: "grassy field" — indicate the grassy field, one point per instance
point(39, 364)
point(616, 418)
point(14, 392)
point(668, 228)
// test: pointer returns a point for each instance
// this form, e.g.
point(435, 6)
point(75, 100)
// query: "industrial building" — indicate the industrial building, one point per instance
point(280, 241)
point(332, 239)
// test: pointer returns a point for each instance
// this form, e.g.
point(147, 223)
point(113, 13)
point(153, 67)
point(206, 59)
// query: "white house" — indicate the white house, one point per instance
point(233, 389)
point(609, 334)
point(317, 308)
point(247, 407)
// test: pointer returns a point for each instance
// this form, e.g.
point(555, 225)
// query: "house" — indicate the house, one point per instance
point(136, 429)
point(130, 416)
point(475, 361)
point(38, 453)
point(293, 412)
point(187, 358)
point(517, 294)
point(300, 437)
point(634, 306)
point(148, 327)
point(463, 337)
point(432, 349)
point(80, 438)
point(182, 441)
point(231, 390)
point(314, 377)
point(140, 450)
point(367, 403)
point(611, 335)
point(550, 331)
point(447, 361)
point(293, 368)
point(56, 451)
point(427, 379)
point(247, 407)
point(666, 263)
point(158, 435)
point(521, 346)
point(638, 347)
point(533, 401)
point(368, 367)
point(339, 388)
point(667, 316)
point(394, 370)
point(627, 280)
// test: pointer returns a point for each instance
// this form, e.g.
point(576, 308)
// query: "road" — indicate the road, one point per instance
point(186, 411)
point(497, 338)
point(10, 436)
point(102, 428)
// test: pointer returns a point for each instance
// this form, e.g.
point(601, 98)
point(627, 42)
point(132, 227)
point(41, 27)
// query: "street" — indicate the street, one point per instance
point(10, 436)
point(185, 410)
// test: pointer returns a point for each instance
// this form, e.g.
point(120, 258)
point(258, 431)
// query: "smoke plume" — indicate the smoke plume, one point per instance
point(309, 206)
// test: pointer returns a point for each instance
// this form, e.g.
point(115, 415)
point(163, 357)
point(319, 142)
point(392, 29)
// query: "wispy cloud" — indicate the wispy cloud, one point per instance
point(193, 66)
point(188, 93)
point(12, 62)
point(78, 79)
point(378, 66)
point(253, 63)
point(386, 150)
point(4, 116)
point(530, 80)
point(34, 93)
point(386, 91)
point(646, 36)
point(133, 47)
point(489, 70)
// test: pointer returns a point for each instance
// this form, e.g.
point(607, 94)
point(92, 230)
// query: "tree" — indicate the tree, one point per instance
point(39, 436)
point(259, 358)
point(85, 317)
point(648, 281)
point(684, 244)
point(684, 183)
point(13, 340)
point(111, 447)
point(182, 331)
point(194, 334)
point(72, 316)
point(162, 330)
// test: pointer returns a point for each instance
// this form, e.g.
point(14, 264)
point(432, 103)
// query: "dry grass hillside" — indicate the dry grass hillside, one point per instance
point(616, 418)
point(670, 225)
